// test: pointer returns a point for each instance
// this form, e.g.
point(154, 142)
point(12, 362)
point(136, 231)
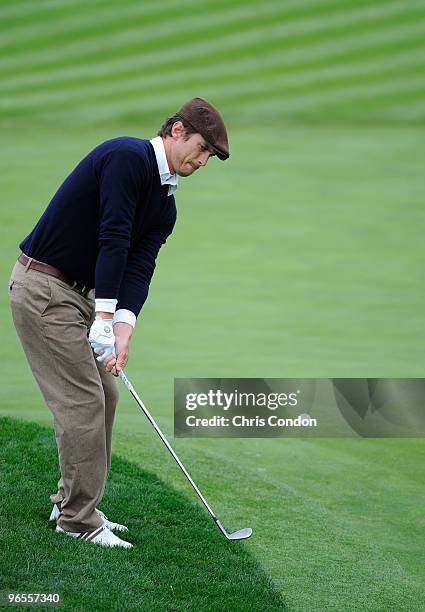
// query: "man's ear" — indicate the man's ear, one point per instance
point(177, 129)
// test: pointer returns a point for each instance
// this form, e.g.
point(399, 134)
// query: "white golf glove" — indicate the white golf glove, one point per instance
point(101, 337)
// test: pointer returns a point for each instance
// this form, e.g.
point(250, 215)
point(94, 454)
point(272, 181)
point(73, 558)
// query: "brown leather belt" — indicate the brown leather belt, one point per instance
point(48, 269)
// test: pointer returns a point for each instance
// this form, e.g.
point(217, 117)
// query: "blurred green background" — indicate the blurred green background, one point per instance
point(301, 256)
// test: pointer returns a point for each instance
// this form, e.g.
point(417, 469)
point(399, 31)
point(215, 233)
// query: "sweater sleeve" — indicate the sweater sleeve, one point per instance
point(120, 180)
point(141, 264)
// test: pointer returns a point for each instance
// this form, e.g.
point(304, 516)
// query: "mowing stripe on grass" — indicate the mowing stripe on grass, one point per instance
point(107, 22)
point(341, 48)
point(169, 34)
point(231, 79)
point(160, 29)
point(240, 76)
point(287, 98)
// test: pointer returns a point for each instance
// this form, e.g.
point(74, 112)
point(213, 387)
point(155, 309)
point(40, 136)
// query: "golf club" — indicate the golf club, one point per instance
point(236, 535)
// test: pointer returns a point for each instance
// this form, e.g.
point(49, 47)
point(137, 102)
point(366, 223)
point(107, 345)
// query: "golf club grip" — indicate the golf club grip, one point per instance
point(165, 441)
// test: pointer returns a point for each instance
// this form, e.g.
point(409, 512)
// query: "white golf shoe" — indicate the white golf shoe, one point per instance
point(102, 535)
point(109, 524)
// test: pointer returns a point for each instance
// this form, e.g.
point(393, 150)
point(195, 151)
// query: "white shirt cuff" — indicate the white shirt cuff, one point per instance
point(105, 305)
point(125, 316)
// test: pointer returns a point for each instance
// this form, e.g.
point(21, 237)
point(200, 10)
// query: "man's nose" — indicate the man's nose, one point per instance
point(202, 159)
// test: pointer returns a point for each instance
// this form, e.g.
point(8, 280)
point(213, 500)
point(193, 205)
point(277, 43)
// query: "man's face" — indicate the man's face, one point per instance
point(188, 155)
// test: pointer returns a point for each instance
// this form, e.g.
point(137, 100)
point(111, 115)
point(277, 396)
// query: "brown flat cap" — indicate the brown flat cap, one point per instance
point(207, 121)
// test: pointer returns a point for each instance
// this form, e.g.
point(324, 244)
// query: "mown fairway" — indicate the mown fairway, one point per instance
point(302, 256)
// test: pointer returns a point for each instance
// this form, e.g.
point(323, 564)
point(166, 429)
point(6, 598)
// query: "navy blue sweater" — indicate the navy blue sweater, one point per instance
point(107, 221)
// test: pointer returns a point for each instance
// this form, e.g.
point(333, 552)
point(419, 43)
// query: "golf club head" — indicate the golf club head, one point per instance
point(242, 534)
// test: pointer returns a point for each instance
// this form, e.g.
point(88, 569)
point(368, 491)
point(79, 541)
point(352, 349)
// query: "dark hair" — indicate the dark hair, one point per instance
point(168, 124)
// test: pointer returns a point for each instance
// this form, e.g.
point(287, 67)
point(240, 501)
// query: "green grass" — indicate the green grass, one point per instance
point(302, 256)
point(306, 261)
point(178, 562)
point(312, 268)
point(337, 525)
point(320, 59)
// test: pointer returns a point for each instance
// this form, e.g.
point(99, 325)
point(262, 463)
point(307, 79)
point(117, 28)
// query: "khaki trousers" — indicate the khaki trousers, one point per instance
point(52, 321)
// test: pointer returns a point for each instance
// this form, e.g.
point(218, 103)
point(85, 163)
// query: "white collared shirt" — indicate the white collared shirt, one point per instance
point(164, 172)
point(108, 305)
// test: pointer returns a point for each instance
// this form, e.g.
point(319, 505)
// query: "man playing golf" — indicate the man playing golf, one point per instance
point(102, 230)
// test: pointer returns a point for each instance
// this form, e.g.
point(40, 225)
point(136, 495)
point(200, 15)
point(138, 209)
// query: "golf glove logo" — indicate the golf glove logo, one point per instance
point(101, 338)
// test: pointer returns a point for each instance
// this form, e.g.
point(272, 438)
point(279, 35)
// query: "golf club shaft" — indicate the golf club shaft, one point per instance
point(167, 444)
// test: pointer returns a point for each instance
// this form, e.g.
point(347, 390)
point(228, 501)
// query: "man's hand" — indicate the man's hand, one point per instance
point(101, 338)
point(115, 363)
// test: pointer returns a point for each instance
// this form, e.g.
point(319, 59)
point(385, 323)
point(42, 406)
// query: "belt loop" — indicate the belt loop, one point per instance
point(29, 262)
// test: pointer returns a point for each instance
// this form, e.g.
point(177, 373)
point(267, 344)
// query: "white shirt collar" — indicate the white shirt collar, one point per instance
point(164, 171)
